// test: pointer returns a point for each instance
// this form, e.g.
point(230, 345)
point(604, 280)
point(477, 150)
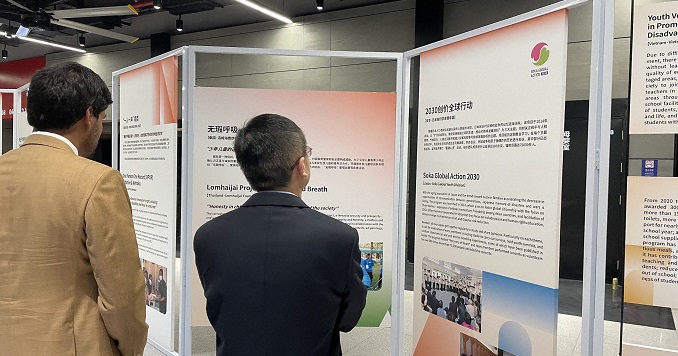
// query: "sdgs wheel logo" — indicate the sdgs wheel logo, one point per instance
point(540, 55)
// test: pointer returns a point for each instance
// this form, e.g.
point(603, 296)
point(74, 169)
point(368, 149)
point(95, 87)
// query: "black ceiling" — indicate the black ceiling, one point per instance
point(197, 15)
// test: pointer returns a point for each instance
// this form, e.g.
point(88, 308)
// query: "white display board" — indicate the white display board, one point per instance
point(651, 263)
point(488, 177)
point(654, 69)
point(148, 163)
point(352, 135)
point(21, 126)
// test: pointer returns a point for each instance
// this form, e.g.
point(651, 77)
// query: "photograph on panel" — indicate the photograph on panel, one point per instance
point(155, 278)
point(372, 263)
point(452, 292)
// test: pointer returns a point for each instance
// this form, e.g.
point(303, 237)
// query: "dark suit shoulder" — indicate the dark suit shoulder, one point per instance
point(331, 223)
point(214, 226)
point(219, 220)
point(317, 222)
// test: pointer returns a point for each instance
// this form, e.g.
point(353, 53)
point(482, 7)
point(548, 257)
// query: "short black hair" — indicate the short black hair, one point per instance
point(266, 148)
point(60, 95)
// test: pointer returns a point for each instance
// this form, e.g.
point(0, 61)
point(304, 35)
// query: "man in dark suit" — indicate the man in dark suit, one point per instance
point(279, 278)
point(162, 293)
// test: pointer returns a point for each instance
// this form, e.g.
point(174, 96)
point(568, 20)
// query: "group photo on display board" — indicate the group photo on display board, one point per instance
point(372, 264)
point(452, 292)
point(155, 279)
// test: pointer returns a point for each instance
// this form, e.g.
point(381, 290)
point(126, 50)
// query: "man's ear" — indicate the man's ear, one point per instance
point(300, 167)
point(305, 172)
point(89, 118)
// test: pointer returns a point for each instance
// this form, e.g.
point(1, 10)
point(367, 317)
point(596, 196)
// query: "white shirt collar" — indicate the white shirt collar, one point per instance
point(59, 137)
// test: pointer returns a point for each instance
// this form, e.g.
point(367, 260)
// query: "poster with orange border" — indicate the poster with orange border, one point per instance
point(352, 135)
point(148, 163)
point(651, 264)
point(489, 165)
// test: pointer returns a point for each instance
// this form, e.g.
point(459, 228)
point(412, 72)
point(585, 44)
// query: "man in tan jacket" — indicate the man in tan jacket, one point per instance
point(70, 276)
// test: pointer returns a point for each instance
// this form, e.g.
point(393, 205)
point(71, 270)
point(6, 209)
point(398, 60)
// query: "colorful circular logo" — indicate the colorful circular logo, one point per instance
point(540, 54)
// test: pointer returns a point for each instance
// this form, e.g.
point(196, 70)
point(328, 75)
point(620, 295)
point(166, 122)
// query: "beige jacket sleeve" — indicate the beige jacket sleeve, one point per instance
point(114, 255)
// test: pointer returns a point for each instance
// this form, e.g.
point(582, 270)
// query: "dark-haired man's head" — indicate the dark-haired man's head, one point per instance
point(69, 99)
point(272, 153)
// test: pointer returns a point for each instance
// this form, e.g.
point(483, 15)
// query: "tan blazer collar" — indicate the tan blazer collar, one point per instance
point(43, 140)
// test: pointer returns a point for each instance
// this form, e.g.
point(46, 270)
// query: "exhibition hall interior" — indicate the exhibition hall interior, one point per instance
point(507, 164)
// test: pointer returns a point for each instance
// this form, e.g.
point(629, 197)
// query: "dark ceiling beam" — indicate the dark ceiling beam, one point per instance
point(428, 28)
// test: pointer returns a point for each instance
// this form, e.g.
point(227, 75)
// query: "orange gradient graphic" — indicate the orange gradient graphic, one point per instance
point(439, 337)
point(638, 287)
point(158, 82)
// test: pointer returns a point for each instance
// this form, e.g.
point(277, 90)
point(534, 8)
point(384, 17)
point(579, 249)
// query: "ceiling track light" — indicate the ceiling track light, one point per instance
point(53, 44)
point(180, 24)
point(157, 4)
point(81, 40)
point(319, 4)
point(264, 10)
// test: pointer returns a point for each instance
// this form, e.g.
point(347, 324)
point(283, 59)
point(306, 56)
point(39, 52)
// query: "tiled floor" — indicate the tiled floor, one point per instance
point(649, 326)
point(569, 302)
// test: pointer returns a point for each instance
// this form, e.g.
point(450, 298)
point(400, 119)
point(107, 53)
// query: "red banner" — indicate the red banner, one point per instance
point(15, 74)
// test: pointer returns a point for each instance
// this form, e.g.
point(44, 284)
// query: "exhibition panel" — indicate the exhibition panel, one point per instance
point(14, 98)
point(352, 137)
point(654, 69)
point(21, 126)
point(652, 215)
point(488, 190)
point(148, 162)
point(1, 98)
point(651, 262)
point(355, 138)
point(344, 126)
